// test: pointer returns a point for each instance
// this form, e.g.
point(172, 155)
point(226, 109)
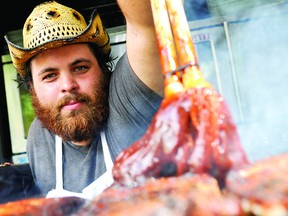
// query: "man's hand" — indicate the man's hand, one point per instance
point(141, 43)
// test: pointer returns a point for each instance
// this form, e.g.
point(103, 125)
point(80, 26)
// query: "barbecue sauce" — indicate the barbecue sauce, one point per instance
point(193, 132)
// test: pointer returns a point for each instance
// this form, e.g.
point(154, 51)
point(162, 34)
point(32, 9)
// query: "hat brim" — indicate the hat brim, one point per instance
point(94, 33)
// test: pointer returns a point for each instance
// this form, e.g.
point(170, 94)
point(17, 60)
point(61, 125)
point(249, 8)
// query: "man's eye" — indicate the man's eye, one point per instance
point(81, 68)
point(49, 76)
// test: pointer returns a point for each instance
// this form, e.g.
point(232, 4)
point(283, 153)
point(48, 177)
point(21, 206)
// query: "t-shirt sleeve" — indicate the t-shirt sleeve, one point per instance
point(132, 106)
point(41, 155)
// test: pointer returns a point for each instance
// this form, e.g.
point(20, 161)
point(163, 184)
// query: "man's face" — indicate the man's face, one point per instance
point(69, 93)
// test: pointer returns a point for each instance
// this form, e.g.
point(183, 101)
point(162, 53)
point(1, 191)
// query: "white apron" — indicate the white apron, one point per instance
point(92, 190)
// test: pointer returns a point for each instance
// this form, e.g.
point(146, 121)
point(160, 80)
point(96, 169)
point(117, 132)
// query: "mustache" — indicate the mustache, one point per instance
point(72, 97)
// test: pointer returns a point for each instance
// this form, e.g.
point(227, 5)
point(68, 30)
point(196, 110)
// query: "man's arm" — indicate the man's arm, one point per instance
point(141, 43)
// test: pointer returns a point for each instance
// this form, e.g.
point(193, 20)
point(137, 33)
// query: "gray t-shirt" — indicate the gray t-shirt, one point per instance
point(132, 107)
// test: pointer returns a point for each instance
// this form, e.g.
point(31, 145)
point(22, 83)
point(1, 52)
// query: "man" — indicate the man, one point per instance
point(85, 115)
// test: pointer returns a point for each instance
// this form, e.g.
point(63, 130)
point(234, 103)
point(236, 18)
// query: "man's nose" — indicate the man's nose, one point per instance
point(68, 83)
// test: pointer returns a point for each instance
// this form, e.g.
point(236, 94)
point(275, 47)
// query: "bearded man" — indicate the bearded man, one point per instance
point(85, 113)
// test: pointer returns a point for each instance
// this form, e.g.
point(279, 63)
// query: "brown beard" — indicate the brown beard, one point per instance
point(77, 125)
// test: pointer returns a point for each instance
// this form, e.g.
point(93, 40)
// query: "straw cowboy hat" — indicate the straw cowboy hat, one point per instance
point(52, 25)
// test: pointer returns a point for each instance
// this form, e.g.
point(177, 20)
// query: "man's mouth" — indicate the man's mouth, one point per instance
point(72, 105)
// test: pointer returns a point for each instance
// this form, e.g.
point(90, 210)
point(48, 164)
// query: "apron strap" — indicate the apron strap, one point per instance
point(58, 163)
point(106, 179)
point(96, 187)
point(107, 157)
